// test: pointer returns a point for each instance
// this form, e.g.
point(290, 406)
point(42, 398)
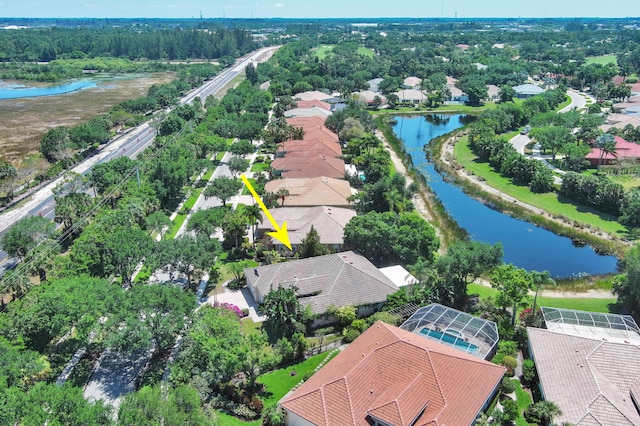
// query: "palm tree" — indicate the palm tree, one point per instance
point(540, 279)
point(544, 411)
point(607, 144)
point(254, 215)
point(282, 194)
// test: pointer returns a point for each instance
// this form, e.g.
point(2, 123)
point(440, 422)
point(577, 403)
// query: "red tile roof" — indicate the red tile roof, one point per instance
point(319, 132)
point(314, 103)
point(397, 377)
point(305, 122)
point(311, 147)
point(624, 149)
point(309, 167)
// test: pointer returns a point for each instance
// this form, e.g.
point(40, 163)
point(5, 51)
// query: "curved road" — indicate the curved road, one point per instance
point(129, 144)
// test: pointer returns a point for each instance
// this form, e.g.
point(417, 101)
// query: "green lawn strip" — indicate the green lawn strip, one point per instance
point(548, 202)
point(523, 399)
point(250, 327)
point(227, 420)
point(602, 60)
point(579, 303)
point(565, 103)
point(366, 51)
point(184, 211)
point(278, 383)
point(245, 190)
point(220, 155)
point(260, 167)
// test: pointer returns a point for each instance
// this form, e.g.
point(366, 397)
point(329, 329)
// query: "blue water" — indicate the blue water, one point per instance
point(450, 339)
point(525, 245)
point(18, 91)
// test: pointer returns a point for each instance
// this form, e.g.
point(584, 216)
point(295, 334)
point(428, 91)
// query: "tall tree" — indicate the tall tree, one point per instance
point(310, 246)
point(224, 188)
point(26, 234)
point(513, 284)
point(283, 311)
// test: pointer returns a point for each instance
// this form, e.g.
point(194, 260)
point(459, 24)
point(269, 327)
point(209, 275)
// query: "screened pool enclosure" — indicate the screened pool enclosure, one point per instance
point(454, 328)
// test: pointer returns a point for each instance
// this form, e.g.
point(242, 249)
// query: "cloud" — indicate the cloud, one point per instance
point(278, 5)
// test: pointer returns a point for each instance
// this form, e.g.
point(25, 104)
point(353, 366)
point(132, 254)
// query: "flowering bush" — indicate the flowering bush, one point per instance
point(231, 307)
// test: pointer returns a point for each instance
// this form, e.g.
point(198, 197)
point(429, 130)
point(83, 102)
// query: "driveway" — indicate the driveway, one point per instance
point(519, 142)
point(241, 298)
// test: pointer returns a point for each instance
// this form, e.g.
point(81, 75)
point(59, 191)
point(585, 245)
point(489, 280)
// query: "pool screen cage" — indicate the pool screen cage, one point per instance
point(468, 333)
point(592, 324)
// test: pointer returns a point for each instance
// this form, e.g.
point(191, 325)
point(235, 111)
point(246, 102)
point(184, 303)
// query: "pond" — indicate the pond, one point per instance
point(525, 244)
point(16, 91)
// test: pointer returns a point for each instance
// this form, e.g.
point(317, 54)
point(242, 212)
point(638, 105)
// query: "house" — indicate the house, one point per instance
point(528, 90)
point(305, 122)
point(412, 82)
point(624, 150)
point(493, 92)
point(314, 103)
point(456, 95)
point(620, 121)
point(329, 222)
point(390, 376)
point(307, 112)
point(319, 191)
point(308, 167)
point(313, 95)
point(338, 279)
point(319, 132)
point(621, 107)
point(411, 96)
point(587, 364)
point(369, 97)
point(374, 84)
point(308, 148)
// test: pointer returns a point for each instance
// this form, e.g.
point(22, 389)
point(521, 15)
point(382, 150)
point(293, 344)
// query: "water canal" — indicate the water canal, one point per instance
point(17, 91)
point(525, 245)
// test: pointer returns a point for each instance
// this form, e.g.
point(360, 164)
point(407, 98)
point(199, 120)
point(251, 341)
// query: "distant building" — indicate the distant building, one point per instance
point(528, 90)
point(319, 191)
point(624, 150)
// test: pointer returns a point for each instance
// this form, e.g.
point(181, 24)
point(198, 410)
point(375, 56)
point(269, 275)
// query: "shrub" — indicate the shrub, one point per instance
point(528, 371)
point(360, 325)
point(509, 408)
point(507, 386)
point(508, 348)
point(511, 363)
point(384, 317)
point(350, 335)
point(307, 375)
point(284, 349)
point(245, 312)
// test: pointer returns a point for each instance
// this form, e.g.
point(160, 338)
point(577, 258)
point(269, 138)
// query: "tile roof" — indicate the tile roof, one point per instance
point(318, 191)
point(399, 378)
point(314, 103)
point(329, 222)
point(412, 81)
point(620, 121)
point(337, 279)
point(528, 89)
point(319, 132)
point(590, 380)
point(307, 112)
point(312, 95)
point(309, 167)
point(411, 95)
point(305, 122)
point(310, 147)
point(369, 96)
point(624, 149)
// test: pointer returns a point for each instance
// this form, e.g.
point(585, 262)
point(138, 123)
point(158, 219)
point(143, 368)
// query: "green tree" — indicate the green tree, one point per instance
point(16, 282)
point(224, 188)
point(552, 138)
point(607, 144)
point(56, 144)
point(283, 311)
point(507, 93)
point(238, 165)
point(26, 234)
point(542, 412)
point(158, 222)
point(627, 285)
point(630, 210)
point(513, 285)
point(475, 89)
point(310, 246)
point(124, 248)
point(254, 216)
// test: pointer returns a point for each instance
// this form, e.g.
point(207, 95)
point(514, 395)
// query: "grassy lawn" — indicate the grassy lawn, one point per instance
point(250, 327)
point(260, 167)
point(182, 215)
point(579, 303)
point(602, 60)
point(366, 51)
point(245, 190)
point(279, 382)
point(567, 101)
point(523, 399)
point(628, 181)
point(321, 51)
point(550, 202)
point(220, 155)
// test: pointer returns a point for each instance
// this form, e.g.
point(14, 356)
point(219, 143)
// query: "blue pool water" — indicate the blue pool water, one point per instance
point(18, 91)
point(525, 245)
point(450, 339)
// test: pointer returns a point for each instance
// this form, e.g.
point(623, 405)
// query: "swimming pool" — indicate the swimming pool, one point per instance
point(450, 339)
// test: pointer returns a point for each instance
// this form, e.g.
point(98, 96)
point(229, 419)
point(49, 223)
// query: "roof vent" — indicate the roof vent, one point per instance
point(350, 263)
point(255, 271)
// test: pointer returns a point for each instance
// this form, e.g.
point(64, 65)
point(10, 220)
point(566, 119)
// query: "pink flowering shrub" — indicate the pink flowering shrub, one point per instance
point(231, 307)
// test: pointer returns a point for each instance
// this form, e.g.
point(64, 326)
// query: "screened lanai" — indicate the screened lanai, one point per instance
point(607, 327)
point(454, 328)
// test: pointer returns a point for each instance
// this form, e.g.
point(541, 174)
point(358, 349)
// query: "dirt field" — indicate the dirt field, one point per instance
point(24, 121)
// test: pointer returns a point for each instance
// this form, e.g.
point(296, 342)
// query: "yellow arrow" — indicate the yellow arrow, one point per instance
point(280, 233)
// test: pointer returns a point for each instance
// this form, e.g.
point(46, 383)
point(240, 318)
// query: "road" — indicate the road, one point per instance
point(129, 144)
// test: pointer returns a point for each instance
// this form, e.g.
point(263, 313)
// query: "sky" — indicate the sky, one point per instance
point(317, 8)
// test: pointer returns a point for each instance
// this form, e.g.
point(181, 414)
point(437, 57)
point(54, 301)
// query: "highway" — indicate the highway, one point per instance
point(129, 144)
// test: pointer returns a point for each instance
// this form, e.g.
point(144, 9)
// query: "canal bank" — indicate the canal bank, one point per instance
point(526, 244)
